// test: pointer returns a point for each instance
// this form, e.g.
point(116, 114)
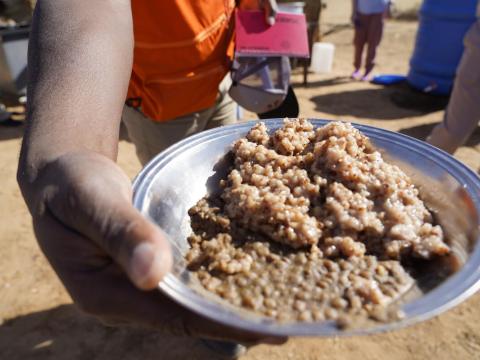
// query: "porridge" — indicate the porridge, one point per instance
point(310, 225)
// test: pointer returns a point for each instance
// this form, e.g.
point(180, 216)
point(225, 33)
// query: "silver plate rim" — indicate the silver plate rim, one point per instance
point(453, 291)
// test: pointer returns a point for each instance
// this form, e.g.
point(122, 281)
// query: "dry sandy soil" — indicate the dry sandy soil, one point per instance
point(38, 320)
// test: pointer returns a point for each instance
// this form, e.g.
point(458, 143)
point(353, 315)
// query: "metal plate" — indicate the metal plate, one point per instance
point(181, 175)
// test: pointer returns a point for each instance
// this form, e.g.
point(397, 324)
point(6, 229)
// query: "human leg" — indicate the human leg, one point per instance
point(463, 112)
point(374, 36)
point(151, 137)
point(224, 110)
point(359, 40)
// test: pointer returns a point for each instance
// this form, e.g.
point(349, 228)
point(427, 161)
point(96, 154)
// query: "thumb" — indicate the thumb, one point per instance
point(150, 258)
point(139, 246)
point(99, 207)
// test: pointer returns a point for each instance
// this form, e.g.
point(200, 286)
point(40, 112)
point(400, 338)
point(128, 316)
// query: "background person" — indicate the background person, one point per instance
point(368, 20)
point(463, 111)
point(180, 80)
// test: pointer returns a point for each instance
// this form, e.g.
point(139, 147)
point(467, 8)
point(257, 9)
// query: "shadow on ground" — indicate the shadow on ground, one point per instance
point(327, 82)
point(382, 102)
point(9, 132)
point(64, 333)
point(422, 131)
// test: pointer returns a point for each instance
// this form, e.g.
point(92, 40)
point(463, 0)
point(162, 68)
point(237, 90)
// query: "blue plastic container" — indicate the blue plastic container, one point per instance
point(439, 44)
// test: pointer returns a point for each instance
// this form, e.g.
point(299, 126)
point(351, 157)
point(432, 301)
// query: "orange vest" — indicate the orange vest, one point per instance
point(183, 50)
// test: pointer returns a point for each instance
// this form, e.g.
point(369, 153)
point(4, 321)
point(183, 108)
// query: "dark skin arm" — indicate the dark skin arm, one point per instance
point(106, 254)
point(79, 66)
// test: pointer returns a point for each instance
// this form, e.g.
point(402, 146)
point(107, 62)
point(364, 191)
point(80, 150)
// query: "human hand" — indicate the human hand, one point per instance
point(105, 252)
point(269, 6)
point(271, 9)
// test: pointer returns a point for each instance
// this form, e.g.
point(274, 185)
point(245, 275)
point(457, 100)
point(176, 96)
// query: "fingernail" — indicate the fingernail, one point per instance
point(270, 20)
point(147, 266)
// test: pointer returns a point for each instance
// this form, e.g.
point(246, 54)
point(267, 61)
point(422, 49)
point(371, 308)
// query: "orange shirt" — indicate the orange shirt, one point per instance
point(183, 50)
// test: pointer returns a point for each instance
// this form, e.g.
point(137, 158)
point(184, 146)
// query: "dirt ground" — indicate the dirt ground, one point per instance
point(38, 320)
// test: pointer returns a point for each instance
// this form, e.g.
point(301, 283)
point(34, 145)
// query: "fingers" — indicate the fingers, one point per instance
point(118, 302)
point(271, 10)
point(92, 197)
point(138, 246)
point(89, 230)
point(100, 288)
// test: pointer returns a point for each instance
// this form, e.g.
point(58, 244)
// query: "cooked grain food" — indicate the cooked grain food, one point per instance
point(311, 224)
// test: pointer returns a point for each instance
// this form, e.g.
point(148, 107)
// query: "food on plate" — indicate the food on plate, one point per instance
point(311, 225)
